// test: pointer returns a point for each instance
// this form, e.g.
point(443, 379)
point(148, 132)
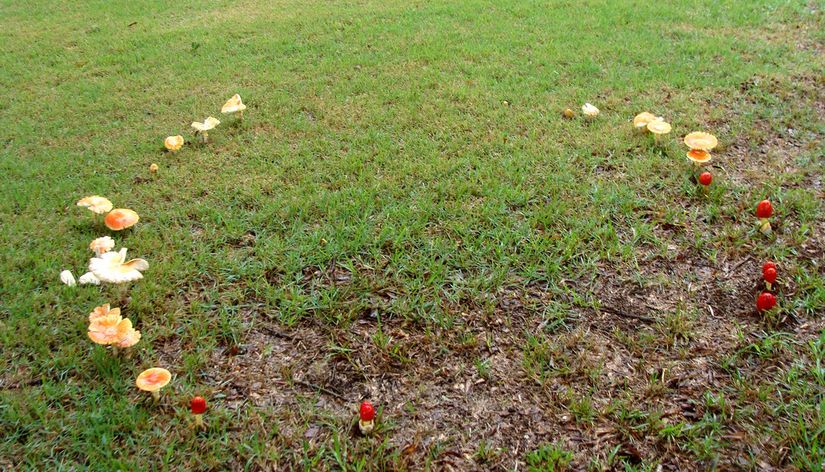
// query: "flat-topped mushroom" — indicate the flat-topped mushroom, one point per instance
point(659, 128)
point(152, 380)
point(96, 204)
point(120, 219)
point(701, 140)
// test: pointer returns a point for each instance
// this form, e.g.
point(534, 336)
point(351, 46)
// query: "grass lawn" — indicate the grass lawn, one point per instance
point(404, 216)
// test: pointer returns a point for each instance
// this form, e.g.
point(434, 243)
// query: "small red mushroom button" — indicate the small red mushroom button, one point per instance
point(705, 178)
point(198, 407)
point(764, 210)
point(769, 274)
point(366, 422)
point(765, 301)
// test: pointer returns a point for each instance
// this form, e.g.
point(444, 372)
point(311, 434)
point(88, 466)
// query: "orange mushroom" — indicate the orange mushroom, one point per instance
point(698, 156)
point(95, 204)
point(103, 311)
point(173, 143)
point(109, 329)
point(120, 219)
point(701, 140)
point(152, 380)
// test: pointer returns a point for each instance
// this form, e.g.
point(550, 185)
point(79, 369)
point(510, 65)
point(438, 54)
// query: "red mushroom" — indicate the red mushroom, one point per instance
point(705, 178)
point(366, 422)
point(768, 265)
point(198, 407)
point(765, 302)
point(764, 210)
point(769, 275)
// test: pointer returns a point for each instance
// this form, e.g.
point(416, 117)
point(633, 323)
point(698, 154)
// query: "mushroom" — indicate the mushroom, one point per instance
point(765, 301)
point(705, 178)
point(641, 120)
point(88, 279)
point(764, 210)
point(152, 380)
point(568, 113)
point(198, 407)
point(234, 105)
point(102, 244)
point(590, 111)
point(96, 204)
point(173, 143)
point(769, 274)
point(701, 140)
point(112, 267)
point(102, 311)
point(659, 128)
point(202, 129)
point(120, 219)
point(768, 265)
point(67, 278)
point(112, 329)
point(366, 422)
point(698, 157)
point(153, 168)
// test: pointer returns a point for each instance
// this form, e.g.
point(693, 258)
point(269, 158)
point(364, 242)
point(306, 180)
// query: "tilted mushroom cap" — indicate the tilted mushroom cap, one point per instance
point(207, 124)
point(642, 119)
point(154, 379)
point(67, 278)
point(102, 244)
point(109, 329)
point(112, 267)
point(96, 203)
point(103, 311)
point(88, 278)
point(590, 110)
point(233, 105)
point(698, 156)
point(121, 218)
point(173, 143)
point(701, 140)
point(130, 339)
point(659, 127)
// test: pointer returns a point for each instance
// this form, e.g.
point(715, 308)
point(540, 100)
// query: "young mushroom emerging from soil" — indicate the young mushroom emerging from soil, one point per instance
point(198, 407)
point(590, 111)
point(173, 143)
point(764, 210)
point(152, 380)
point(766, 301)
point(769, 274)
point(705, 178)
point(202, 129)
point(366, 420)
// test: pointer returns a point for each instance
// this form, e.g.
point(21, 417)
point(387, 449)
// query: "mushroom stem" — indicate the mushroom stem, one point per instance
point(115, 350)
point(156, 395)
point(765, 226)
point(241, 115)
point(768, 285)
point(366, 427)
point(199, 422)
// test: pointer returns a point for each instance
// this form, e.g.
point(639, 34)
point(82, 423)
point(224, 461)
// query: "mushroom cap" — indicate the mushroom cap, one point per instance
point(705, 178)
point(207, 124)
point(769, 275)
point(154, 379)
point(88, 278)
point(642, 119)
point(701, 140)
point(173, 143)
point(112, 267)
point(768, 265)
point(367, 411)
point(121, 218)
point(153, 168)
point(233, 105)
point(109, 329)
point(102, 244)
point(589, 109)
point(102, 311)
point(698, 156)
point(96, 204)
point(130, 339)
point(765, 301)
point(67, 278)
point(197, 405)
point(764, 209)
point(659, 127)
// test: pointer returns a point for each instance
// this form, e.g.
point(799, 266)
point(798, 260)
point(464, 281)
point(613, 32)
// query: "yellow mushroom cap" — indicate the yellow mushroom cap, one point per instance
point(154, 379)
point(153, 168)
point(102, 311)
point(699, 156)
point(109, 329)
point(173, 143)
point(130, 339)
point(95, 203)
point(207, 124)
point(590, 110)
point(642, 119)
point(659, 127)
point(121, 218)
point(701, 140)
point(233, 105)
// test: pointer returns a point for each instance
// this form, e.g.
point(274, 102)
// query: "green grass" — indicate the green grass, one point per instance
point(404, 197)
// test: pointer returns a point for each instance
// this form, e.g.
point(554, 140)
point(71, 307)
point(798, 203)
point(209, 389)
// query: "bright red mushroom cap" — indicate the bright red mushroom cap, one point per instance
point(764, 209)
point(367, 411)
point(768, 265)
point(765, 302)
point(769, 275)
point(198, 405)
point(705, 178)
